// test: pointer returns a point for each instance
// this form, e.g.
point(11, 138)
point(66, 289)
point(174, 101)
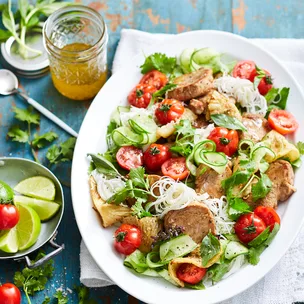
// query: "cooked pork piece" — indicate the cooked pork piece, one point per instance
point(198, 106)
point(256, 125)
point(200, 122)
point(281, 174)
point(208, 180)
point(220, 104)
point(192, 85)
point(196, 219)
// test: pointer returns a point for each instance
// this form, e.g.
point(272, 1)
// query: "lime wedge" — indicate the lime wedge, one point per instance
point(28, 227)
point(9, 240)
point(44, 209)
point(38, 187)
point(6, 193)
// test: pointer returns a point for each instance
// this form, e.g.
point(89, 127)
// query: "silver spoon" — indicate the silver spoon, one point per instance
point(9, 85)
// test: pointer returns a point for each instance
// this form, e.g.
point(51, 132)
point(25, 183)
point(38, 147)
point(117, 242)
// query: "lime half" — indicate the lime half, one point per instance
point(44, 209)
point(6, 193)
point(28, 227)
point(9, 240)
point(38, 187)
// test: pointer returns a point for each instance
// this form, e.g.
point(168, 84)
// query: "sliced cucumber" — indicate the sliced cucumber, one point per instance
point(204, 55)
point(235, 249)
point(176, 247)
point(185, 58)
point(116, 114)
point(260, 152)
point(245, 146)
point(144, 124)
point(190, 165)
point(124, 136)
point(215, 160)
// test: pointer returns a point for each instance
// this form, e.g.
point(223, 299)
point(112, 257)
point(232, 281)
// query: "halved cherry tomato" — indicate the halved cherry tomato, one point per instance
point(129, 157)
point(190, 273)
point(266, 82)
point(175, 168)
point(226, 141)
point(127, 239)
point(169, 110)
point(248, 227)
point(282, 121)
point(9, 216)
point(155, 156)
point(155, 79)
point(141, 95)
point(9, 294)
point(243, 69)
point(268, 215)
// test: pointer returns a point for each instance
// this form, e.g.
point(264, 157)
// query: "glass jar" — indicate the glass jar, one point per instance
point(75, 38)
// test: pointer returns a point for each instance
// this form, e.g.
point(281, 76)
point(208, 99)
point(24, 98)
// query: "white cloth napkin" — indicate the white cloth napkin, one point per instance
point(285, 283)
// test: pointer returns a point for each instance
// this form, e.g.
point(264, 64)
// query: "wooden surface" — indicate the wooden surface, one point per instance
point(250, 18)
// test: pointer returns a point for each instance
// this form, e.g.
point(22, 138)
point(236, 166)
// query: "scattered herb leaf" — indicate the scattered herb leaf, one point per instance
point(228, 122)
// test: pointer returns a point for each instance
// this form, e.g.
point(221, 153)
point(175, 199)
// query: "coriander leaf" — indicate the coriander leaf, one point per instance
point(83, 295)
point(138, 209)
point(62, 153)
point(26, 115)
point(159, 62)
point(261, 238)
point(40, 141)
point(184, 150)
point(184, 128)
point(121, 195)
point(261, 188)
point(103, 165)
point(210, 247)
point(137, 175)
point(300, 146)
point(16, 134)
point(46, 300)
point(62, 299)
point(237, 178)
point(228, 122)
point(237, 207)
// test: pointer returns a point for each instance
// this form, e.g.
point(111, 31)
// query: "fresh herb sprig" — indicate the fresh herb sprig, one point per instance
point(26, 20)
point(30, 117)
point(62, 152)
point(34, 280)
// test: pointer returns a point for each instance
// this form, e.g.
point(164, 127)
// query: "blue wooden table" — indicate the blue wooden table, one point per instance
point(250, 18)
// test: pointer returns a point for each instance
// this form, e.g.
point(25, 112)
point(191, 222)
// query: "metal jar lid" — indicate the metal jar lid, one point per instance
point(33, 67)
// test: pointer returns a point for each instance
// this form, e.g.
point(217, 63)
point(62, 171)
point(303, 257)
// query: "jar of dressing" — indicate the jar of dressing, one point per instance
point(75, 38)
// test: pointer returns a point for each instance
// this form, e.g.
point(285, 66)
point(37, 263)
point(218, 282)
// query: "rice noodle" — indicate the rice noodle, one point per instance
point(244, 92)
point(175, 195)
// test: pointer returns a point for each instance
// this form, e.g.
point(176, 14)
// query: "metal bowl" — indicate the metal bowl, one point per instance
point(12, 171)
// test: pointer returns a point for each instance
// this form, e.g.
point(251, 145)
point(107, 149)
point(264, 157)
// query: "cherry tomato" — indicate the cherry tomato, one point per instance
point(248, 227)
point(226, 141)
point(155, 79)
point(9, 294)
point(282, 121)
point(141, 95)
point(243, 69)
point(175, 168)
point(155, 156)
point(127, 239)
point(265, 84)
point(169, 110)
point(129, 157)
point(268, 215)
point(190, 273)
point(9, 216)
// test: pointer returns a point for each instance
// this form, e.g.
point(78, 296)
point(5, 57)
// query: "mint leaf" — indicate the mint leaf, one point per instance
point(27, 115)
point(210, 247)
point(261, 188)
point(229, 122)
point(16, 134)
point(40, 141)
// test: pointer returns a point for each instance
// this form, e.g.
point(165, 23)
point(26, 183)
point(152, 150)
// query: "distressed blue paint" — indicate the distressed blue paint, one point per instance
point(272, 18)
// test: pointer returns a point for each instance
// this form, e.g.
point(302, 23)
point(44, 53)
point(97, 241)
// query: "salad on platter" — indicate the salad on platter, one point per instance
point(197, 163)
